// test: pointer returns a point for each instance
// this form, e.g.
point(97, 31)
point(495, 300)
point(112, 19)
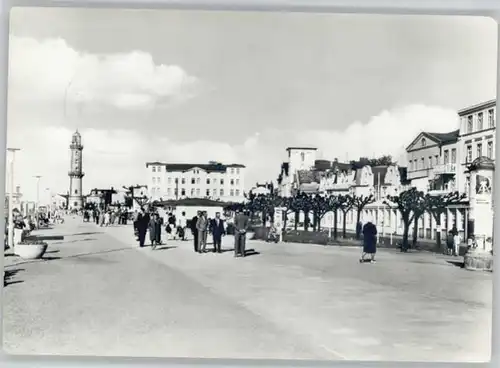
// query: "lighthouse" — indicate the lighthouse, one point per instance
point(75, 197)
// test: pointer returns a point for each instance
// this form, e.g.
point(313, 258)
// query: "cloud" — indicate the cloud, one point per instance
point(118, 157)
point(389, 132)
point(50, 70)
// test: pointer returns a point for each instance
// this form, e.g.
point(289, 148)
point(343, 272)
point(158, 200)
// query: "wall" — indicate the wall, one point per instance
point(295, 160)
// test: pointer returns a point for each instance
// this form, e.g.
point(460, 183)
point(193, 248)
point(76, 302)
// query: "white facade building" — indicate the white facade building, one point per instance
point(214, 180)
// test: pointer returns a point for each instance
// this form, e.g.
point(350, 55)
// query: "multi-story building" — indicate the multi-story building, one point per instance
point(477, 137)
point(217, 181)
point(438, 162)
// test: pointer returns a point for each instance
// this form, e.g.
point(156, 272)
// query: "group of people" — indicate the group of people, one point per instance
point(201, 226)
point(106, 217)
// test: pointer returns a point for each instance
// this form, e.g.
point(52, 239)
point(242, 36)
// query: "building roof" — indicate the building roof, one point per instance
point(302, 148)
point(211, 167)
point(445, 137)
point(322, 165)
point(201, 202)
point(477, 107)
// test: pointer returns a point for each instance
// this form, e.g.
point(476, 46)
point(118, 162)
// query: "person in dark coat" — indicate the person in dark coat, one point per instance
point(155, 230)
point(217, 229)
point(369, 241)
point(241, 224)
point(194, 230)
point(142, 226)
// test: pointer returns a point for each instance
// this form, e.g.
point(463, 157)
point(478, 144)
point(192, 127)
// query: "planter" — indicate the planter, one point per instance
point(249, 235)
point(30, 250)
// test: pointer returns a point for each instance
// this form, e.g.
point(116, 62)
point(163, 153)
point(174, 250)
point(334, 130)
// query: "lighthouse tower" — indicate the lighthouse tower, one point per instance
point(75, 198)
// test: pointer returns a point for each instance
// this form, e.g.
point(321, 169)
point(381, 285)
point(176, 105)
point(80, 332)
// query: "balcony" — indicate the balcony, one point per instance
point(444, 169)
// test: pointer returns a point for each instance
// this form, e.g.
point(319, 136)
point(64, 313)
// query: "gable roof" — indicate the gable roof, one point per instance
point(212, 167)
point(438, 138)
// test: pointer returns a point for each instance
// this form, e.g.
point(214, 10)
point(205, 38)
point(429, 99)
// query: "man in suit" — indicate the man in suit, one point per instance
point(241, 224)
point(217, 228)
point(142, 226)
point(194, 230)
point(202, 227)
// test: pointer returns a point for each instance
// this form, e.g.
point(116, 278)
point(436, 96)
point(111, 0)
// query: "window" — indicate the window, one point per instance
point(436, 160)
point(237, 192)
point(468, 157)
point(453, 155)
point(238, 171)
point(176, 192)
point(158, 179)
point(489, 150)
point(215, 192)
point(221, 192)
point(231, 193)
point(208, 192)
point(169, 180)
point(176, 180)
point(153, 168)
point(480, 121)
point(197, 180)
point(183, 192)
point(422, 163)
point(470, 124)
point(479, 150)
point(302, 156)
point(158, 169)
point(491, 118)
point(208, 181)
point(198, 192)
point(169, 191)
point(75, 204)
point(183, 181)
point(154, 180)
point(222, 182)
point(237, 181)
point(231, 171)
point(424, 142)
point(76, 191)
point(192, 192)
point(430, 161)
point(232, 182)
point(193, 181)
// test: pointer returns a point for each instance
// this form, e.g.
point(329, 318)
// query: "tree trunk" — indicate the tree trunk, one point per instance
point(344, 224)
point(297, 215)
point(285, 219)
point(319, 222)
point(306, 220)
point(315, 216)
point(335, 220)
point(439, 247)
point(406, 230)
point(358, 219)
point(415, 231)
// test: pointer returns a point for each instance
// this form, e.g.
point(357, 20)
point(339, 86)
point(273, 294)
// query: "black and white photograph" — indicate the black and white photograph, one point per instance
point(249, 185)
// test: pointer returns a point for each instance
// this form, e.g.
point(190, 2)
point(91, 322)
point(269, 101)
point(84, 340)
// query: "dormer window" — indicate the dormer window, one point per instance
point(424, 142)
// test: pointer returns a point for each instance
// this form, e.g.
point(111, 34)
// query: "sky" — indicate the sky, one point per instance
point(236, 87)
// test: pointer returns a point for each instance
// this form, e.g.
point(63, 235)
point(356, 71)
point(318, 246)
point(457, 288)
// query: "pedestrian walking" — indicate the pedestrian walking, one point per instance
point(217, 229)
point(241, 224)
point(369, 242)
point(142, 226)
point(194, 230)
point(456, 240)
point(202, 227)
point(155, 230)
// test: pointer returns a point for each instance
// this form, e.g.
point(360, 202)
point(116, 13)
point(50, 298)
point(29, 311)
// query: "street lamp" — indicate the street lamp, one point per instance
point(10, 232)
point(37, 198)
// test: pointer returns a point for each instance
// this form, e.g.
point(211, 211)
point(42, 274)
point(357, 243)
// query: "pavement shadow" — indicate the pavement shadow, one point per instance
point(88, 233)
point(165, 247)
point(8, 275)
point(51, 252)
point(46, 237)
point(460, 264)
point(75, 241)
point(251, 252)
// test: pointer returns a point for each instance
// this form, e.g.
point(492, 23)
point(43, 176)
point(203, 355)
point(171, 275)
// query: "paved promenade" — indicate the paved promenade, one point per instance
point(97, 293)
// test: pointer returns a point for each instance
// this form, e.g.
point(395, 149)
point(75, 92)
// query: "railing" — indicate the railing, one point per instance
point(445, 169)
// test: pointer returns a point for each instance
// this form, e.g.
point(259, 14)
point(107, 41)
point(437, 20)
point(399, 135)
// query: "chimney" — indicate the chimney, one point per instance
point(18, 189)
